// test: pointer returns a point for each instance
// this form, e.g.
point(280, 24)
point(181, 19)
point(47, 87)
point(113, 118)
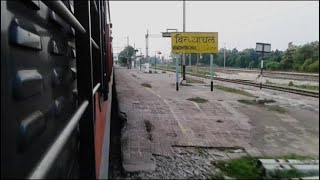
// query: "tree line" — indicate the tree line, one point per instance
point(303, 58)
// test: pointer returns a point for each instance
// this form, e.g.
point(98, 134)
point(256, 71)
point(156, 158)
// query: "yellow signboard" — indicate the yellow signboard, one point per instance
point(194, 42)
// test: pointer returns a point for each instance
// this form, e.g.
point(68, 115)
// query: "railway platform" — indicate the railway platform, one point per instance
point(160, 119)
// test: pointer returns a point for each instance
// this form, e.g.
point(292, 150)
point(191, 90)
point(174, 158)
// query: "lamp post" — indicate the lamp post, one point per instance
point(134, 57)
point(136, 50)
point(140, 56)
point(167, 34)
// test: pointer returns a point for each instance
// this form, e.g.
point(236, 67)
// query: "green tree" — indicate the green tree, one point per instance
point(304, 56)
point(273, 65)
point(125, 55)
point(288, 57)
point(314, 67)
point(299, 58)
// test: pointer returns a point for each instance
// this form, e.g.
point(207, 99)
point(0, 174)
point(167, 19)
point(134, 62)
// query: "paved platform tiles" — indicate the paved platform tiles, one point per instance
point(173, 122)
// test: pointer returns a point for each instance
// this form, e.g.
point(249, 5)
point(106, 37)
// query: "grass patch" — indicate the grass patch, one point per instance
point(307, 87)
point(233, 90)
point(242, 168)
point(270, 107)
point(277, 108)
point(247, 168)
point(191, 80)
point(248, 101)
point(290, 83)
point(185, 84)
point(254, 102)
point(198, 100)
point(303, 86)
point(146, 85)
point(295, 156)
point(269, 101)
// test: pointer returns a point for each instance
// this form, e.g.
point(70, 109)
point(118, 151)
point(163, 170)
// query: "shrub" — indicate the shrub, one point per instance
point(290, 83)
point(314, 67)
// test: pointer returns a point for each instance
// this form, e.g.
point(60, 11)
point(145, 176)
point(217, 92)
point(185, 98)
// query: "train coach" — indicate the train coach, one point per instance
point(56, 88)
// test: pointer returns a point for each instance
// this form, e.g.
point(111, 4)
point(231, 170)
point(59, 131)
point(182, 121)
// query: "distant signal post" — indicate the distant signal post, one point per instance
point(195, 42)
point(262, 48)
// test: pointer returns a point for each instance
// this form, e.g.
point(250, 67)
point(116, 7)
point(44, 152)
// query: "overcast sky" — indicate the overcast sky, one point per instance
point(240, 24)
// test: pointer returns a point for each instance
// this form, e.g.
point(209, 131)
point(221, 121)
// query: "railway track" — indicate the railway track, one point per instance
point(266, 86)
point(272, 87)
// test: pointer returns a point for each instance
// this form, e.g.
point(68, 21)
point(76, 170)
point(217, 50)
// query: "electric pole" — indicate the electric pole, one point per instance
point(183, 54)
point(155, 61)
point(128, 41)
point(128, 62)
point(261, 69)
point(134, 55)
point(224, 56)
point(147, 44)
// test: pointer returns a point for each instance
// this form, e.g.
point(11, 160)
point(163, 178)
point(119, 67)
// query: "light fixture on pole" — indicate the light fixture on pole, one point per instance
point(167, 33)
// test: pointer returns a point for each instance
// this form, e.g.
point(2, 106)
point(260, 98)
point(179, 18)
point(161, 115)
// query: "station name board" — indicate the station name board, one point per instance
point(194, 42)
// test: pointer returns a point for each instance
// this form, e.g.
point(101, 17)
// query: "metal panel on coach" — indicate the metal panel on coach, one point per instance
point(38, 82)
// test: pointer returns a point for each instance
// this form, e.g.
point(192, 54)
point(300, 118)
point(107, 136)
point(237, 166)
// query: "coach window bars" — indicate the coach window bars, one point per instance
point(101, 42)
point(59, 8)
point(56, 148)
point(85, 84)
point(81, 22)
point(105, 64)
point(96, 37)
point(89, 80)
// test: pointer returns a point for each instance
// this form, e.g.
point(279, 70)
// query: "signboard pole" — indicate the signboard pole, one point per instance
point(183, 67)
point(197, 61)
point(261, 71)
point(211, 71)
point(155, 63)
point(177, 72)
point(262, 48)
